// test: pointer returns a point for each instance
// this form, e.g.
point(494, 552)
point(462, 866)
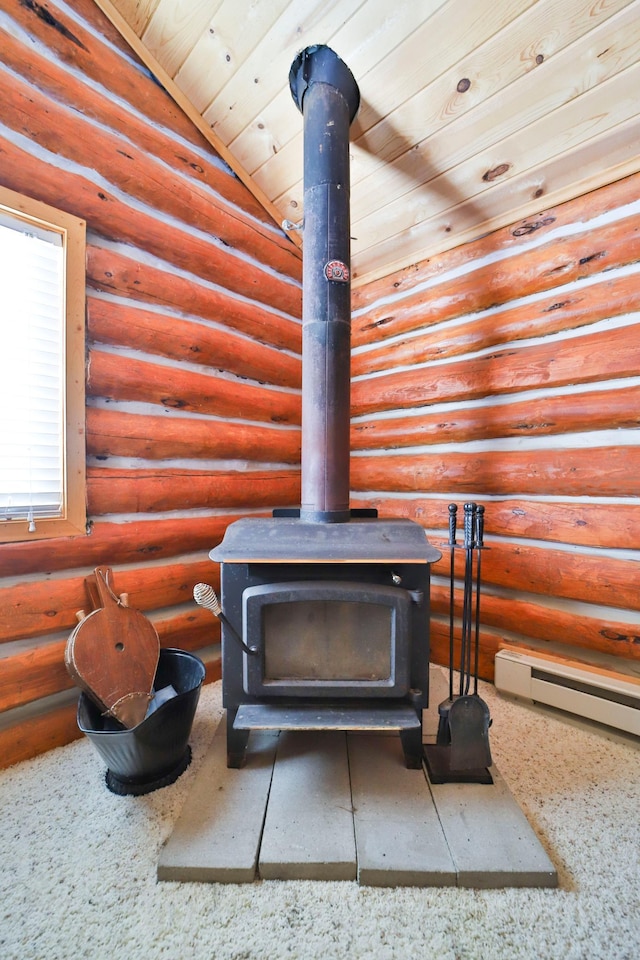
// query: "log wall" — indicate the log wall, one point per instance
point(193, 362)
point(507, 371)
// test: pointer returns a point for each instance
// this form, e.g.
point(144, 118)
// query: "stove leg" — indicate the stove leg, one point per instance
point(237, 742)
point(411, 740)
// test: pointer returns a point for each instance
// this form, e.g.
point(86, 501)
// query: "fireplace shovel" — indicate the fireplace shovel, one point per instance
point(469, 722)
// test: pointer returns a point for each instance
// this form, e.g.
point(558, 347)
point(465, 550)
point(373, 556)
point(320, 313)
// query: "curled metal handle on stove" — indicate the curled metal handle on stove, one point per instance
point(205, 596)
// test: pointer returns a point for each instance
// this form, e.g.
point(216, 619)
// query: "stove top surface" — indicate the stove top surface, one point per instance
point(359, 540)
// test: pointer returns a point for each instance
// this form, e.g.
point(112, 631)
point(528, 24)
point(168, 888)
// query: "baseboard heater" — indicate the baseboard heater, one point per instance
point(590, 691)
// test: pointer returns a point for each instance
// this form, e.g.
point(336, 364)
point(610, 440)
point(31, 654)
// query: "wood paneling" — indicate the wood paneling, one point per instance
point(596, 471)
point(592, 524)
point(35, 608)
point(525, 273)
point(111, 490)
point(142, 539)
point(115, 273)
point(35, 735)
point(508, 371)
point(470, 113)
point(158, 438)
point(115, 376)
point(169, 335)
point(505, 370)
point(543, 416)
point(605, 355)
point(590, 303)
point(193, 362)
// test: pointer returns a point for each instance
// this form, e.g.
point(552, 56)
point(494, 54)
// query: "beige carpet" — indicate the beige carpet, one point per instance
point(78, 867)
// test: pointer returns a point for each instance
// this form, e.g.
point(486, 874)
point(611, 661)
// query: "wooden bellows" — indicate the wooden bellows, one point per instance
point(112, 654)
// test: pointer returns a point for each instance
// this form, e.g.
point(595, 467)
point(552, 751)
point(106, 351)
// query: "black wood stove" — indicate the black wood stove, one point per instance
point(325, 620)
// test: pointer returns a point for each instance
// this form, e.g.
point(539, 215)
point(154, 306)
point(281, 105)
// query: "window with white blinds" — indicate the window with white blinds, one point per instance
point(41, 384)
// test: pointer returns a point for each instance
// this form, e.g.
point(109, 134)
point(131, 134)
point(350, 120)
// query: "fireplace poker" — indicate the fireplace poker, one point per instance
point(479, 542)
point(453, 510)
point(467, 602)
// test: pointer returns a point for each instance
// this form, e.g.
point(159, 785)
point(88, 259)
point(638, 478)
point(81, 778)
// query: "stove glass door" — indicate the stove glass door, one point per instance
point(326, 638)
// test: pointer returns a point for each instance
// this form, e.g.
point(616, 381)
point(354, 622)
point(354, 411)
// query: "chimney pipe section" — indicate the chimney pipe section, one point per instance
point(327, 95)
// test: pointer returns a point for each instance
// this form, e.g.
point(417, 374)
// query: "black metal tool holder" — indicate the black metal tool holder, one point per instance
point(461, 753)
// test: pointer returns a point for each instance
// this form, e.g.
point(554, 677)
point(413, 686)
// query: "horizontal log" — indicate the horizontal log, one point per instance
point(120, 80)
point(527, 272)
point(115, 377)
point(134, 172)
point(113, 219)
point(602, 580)
point(41, 672)
point(614, 525)
point(195, 159)
point(38, 672)
point(143, 491)
point(66, 36)
point(608, 354)
point(111, 434)
point(34, 609)
point(112, 272)
point(569, 413)
point(583, 306)
point(188, 630)
point(593, 472)
point(539, 622)
point(31, 738)
point(128, 325)
point(516, 235)
point(108, 544)
point(439, 648)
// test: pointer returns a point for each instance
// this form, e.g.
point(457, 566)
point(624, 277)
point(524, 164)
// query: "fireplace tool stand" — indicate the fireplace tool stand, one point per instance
point(461, 753)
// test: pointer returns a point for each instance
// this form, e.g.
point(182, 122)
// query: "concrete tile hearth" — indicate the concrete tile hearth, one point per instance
point(335, 806)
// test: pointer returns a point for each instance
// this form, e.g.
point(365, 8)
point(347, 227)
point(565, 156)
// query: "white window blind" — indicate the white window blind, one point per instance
point(32, 370)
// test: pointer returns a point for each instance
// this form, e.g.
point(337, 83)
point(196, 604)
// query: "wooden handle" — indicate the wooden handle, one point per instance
point(106, 595)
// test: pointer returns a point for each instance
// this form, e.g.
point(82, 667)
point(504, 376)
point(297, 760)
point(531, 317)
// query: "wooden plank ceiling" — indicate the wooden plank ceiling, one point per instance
point(474, 113)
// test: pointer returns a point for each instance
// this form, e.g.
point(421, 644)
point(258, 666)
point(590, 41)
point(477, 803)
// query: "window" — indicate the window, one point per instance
point(42, 416)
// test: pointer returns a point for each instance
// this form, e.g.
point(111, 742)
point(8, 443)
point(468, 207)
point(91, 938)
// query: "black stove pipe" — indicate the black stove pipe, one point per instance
point(327, 95)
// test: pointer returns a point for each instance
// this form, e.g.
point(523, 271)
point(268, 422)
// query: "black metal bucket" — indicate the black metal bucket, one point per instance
point(154, 753)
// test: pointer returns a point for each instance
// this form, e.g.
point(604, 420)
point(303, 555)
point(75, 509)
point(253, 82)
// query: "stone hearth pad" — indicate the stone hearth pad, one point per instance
point(342, 806)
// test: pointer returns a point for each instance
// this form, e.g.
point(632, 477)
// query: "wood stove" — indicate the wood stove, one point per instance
point(326, 609)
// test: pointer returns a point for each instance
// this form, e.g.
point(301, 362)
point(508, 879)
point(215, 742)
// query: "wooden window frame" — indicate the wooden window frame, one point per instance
point(73, 518)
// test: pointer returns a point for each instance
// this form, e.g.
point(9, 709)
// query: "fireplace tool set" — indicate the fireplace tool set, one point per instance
point(461, 752)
